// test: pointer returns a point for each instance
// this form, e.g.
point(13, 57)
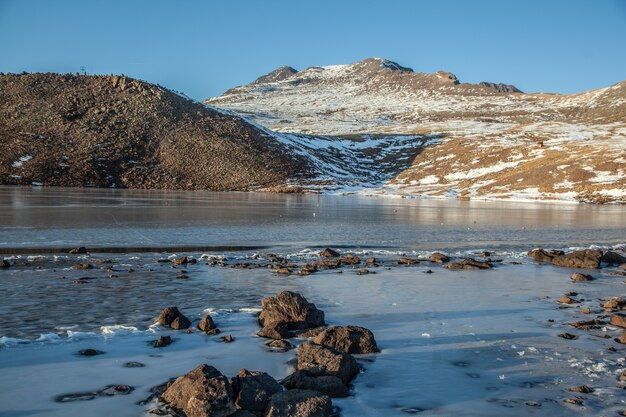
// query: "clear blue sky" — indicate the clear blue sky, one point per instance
point(203, 48)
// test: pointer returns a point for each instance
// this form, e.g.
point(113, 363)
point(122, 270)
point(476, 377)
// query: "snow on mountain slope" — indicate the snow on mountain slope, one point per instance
point(494, 141)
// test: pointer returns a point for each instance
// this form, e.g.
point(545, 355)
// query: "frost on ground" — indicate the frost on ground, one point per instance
point(494, 142)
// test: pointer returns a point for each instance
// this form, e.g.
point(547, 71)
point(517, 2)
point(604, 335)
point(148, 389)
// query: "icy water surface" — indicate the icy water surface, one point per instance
point(463, 343)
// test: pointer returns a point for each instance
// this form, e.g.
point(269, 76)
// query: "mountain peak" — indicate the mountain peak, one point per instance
point(382, 63)
point(278, 74)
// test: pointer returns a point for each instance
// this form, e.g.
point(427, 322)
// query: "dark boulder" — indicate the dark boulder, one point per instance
point(407, 261)
point(329, 253)
point(299, 403)
point(579, 277)
point(203, 392)
point(327, 264)
point(279, 344)
point(76, 251)
point(253, 390)
point(541, 255)
point(207, 324)
point(82, 266)
point(5, 264)
point(172, 317)
point(326, 384)
point(350, 259)
point(348, 339)
point(275, 330)
point(162, 341)
point(613, 258)
point(180, 323)
point(292, 308)
point(439, 258)
point(584, 259)
point(320, 360)
point(618, 320)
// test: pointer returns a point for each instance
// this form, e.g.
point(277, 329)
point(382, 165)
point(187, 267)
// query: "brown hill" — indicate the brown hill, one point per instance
point(114, 131)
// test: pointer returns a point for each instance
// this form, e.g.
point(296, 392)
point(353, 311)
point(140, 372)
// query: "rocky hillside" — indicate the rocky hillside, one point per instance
point(493, 140)
point(113, 131)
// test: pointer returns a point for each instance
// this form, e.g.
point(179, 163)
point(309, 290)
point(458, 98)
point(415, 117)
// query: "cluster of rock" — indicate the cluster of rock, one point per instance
point(325, 366)
point(583, 259)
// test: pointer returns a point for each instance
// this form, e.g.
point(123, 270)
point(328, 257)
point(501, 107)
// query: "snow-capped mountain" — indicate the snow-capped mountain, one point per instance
point(493, 141)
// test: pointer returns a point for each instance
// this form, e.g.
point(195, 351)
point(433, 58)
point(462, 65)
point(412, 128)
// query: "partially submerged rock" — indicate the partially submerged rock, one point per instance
point(326, 384)
point(469, 263)
point(275, 330)
point(582, 259)
point(350, 259)
point(348, 339)
point(329, 253)
point(407, 261)
point(5, 264)
point(580, 277)
point(439, 258)
point(299, 403)
point(172, 317)
point(162, 341)
point(253, 390)
point(618, 320)
point(320, 360)
point(207, 324)
point(203, 392)
point(291, 308)
point(613, 258)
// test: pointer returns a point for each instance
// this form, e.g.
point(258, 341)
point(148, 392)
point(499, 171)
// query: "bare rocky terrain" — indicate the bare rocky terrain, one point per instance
point(114, 131)
point(491, 140)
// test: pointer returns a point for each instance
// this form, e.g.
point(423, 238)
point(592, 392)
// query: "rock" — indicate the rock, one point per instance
point(348, 339)
point(167, 315)
point(567, 300)
point(469, 263)
point(439, 258)
point(203, 392)
point(329, 253)
point(183, 260)
point(275, 330)
point(180, 323)
point(82, 266)
point(134, 365)
point(320, 360)
point(243, 413)
point(568, 336)
point(622, 376)
point(307, 333)
point(299, 403)
point(5, 264)
point(292, 308)
point(162, 341)
point(350, 259)
point(253, 390)
point(76, 251)
point(618, 320)
point(575, 401)
point(541, 255)
point(362, 271)
point(283, 271)
point(588, 324)
point(227, 339)
point(327, 385)
point(172, 317)
point(583, 389)
point(327, 264)
point(370, 261)
point(207, 324)
point(613, 258)
point(407, 261)
point(279, 344)
point(579, 277)
point(583, 259)
point(90, 352)
point(622, 338)
point(615, 303)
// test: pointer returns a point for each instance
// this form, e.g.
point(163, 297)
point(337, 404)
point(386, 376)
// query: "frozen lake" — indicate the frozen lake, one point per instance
point(466, 343)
